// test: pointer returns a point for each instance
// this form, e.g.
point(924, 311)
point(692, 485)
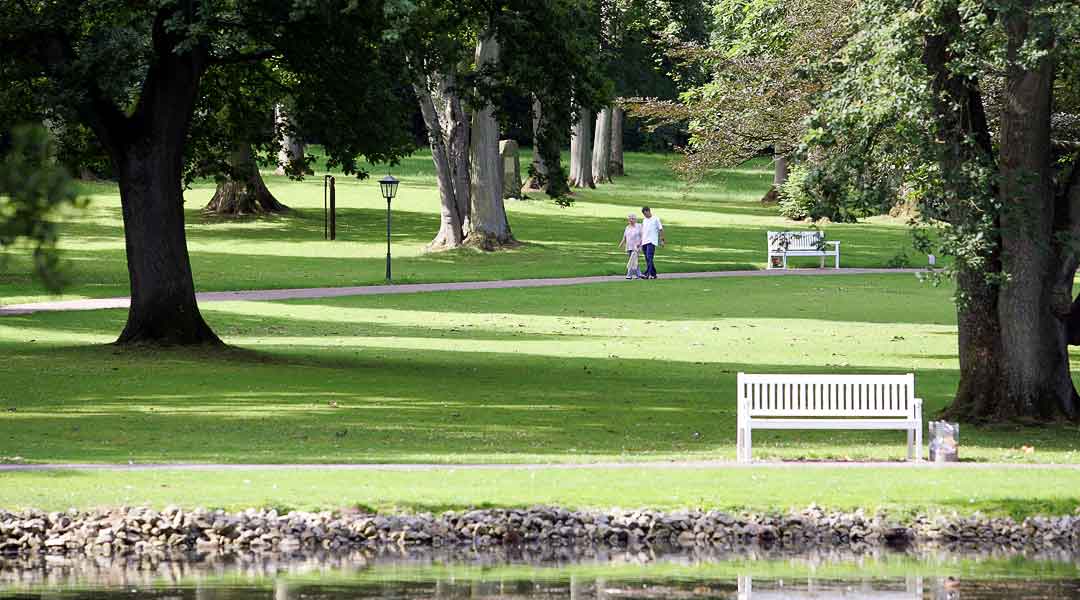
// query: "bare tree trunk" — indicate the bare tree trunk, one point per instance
point(538, 171)
point(979, 395)
point(1036, 365)
point(601, 154)
point(147, 152)
point(617, 117)
point(458, 123)
point(488, 227)
point(780, 174)
point(291, 146)
point(581, 151)
point(163, 308)
point(245, 193)
point(780, 169)
point(446, 128)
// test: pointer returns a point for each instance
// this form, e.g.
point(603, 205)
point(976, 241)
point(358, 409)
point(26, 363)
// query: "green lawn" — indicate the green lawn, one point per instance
point(1015, 492)
point(631, 370)
point(627, 371)
point(717, 225)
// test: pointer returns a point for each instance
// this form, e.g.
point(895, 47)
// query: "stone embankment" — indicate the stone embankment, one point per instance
point(140, 530)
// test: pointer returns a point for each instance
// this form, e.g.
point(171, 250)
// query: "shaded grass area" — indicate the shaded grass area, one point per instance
point(630, 371)
point(716, 225)
point(1015, 492)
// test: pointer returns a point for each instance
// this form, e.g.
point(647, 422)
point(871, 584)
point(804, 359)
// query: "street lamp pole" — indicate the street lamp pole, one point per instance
point(389, 187)
point(388, 239)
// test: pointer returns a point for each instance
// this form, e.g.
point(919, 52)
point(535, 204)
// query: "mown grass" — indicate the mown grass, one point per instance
point(626, 371)
point(716, 225)
point(900, 491)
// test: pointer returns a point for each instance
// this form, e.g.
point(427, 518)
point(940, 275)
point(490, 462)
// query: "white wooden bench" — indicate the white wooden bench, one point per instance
point(800, 243)
point(828, 402)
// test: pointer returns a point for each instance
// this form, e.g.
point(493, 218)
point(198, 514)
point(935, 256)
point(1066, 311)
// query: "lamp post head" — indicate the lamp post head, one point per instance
point(389, 187)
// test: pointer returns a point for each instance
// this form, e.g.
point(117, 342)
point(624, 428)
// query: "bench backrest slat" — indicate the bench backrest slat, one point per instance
point(826, 395)
point(795, 240)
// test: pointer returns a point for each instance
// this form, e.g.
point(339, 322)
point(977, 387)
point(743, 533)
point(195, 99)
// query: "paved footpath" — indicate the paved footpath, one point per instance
point(415, 288)
point(679, 464)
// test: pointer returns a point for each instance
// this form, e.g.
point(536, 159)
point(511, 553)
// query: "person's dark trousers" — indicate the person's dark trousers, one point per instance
point(650, 268)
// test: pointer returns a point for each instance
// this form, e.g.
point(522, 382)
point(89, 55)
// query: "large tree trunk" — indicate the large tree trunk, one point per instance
point(488, 227)
point(292, 147)
point(448, 137)
point(617, 167)
point(1036, 358)
point(980, 394)
point(146, 148)
point(163, 308)
point(245, 192)
point(581, 151)
point(601, 154)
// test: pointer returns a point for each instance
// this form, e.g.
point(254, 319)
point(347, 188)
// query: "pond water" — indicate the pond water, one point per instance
point(509, 576)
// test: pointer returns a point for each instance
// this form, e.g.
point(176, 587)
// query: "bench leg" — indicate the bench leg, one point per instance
point(739, 444)
point(785, 260)
point(837, 265)
point(910, 444)
point(748, 453)
point(918, 441)
point(821, 265)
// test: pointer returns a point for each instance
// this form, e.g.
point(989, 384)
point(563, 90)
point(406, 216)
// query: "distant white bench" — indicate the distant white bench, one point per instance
point(828, 402)
point(800, 243)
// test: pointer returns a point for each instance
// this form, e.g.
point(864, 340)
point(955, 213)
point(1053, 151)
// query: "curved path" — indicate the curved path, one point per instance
point(414, 288)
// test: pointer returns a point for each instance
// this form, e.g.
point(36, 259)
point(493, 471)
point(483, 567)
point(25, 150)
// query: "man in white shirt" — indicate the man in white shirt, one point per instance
point(652, 235)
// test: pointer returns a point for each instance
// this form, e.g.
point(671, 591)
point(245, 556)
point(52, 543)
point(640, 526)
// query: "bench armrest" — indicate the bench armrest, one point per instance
point(835, 244)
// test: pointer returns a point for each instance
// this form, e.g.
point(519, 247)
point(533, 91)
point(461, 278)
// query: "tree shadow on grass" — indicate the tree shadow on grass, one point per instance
point(398, 405)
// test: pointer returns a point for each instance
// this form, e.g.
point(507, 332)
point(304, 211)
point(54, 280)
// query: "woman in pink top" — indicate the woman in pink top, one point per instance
point(631, 242)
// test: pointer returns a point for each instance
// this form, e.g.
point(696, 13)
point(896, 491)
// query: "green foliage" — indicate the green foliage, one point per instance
point(795, 203)
point(899, 261)
point(766, 62)
point(881, 131)
point(33, 189)
point(84, 67)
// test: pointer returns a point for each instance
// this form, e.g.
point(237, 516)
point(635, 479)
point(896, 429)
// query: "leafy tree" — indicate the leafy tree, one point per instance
point(466, 60)
point(969, 104)
point(766, 62)
point(135, 74)
point(33, 187)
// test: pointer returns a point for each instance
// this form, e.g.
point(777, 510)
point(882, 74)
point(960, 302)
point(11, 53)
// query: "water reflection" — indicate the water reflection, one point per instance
point(535, 574)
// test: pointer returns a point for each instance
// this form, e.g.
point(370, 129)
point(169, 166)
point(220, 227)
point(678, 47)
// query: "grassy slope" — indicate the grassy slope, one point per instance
point(717, 225)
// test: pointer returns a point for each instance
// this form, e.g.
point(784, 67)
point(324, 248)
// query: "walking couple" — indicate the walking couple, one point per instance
point(642, 239)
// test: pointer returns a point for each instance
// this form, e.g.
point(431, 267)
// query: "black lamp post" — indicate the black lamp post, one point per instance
point(389, 190)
